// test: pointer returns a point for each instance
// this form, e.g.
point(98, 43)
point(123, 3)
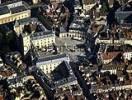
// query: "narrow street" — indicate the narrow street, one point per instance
point(81, 81)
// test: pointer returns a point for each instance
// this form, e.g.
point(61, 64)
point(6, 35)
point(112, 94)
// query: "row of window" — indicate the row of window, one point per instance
point(17, 17)
point(71, 35)
point(13, 5)
point(49, 68)
point(42, 43)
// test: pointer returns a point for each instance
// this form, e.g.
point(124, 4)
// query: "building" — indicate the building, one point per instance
point(25, 25)
point(63, 32)
point(124, 14)
point(109, 57)
point(14, 59)
point(1, 62)
point(36, 1)
point(14, 11)
point(6, 71)
point(29, 88)
point(127, 32)
point(33, 33)
point(23, 34)
point(56, 1)
point(115, 36)
point(65, 83)
point(26, 42)
point(43, 39)
point(115, 68)
point(87, 2)
point(110, 2)
point(108, 50)
point(63, 75)
point(127, 55)
point(61, 82)
point(49, 63)
point(77, 27)
point(106, 77)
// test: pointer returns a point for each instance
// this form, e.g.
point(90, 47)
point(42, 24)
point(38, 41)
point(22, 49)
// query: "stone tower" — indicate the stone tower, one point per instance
point(17, 28)
point(36, 1)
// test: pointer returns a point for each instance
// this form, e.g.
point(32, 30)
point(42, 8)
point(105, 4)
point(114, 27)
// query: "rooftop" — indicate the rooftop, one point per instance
point(1, 97)
point(76, 25)
point(63, 75)
point(120, 48)
point(18, 9)
point(73, 92)
point(35, 26)
point(26, 21)
point(42, 58)
point(110, 55)
point(110, 81)
point(65, 82)
point(4, 10)
point(26, 87)
point(61, 71)
point(14, 7)
point(7, 73)
point(119, 66)
point(121, 94)
point(41, 35)
point(127, 7)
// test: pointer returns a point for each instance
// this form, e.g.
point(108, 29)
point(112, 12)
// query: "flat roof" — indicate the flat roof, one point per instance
point(18, 9)
point(41, 35)
point(76, 28)
point(27, 21)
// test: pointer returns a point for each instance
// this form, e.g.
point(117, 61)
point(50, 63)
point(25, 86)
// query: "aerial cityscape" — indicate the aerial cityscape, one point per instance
point(65, 49)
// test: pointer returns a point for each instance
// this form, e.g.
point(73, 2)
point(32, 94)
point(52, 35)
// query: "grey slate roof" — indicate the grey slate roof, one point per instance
point(59, 56)
point(18, 9)
point(4, 10)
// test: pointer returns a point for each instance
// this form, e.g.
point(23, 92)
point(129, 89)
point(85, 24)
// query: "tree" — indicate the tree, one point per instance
point(105, 7)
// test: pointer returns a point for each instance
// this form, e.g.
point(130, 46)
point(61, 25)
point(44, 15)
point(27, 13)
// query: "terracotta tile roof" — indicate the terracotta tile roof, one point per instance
point(110, 55)
point(1, 97)
point(89, 1)
point(6, 73)
point(128, 33)
point(96, 28)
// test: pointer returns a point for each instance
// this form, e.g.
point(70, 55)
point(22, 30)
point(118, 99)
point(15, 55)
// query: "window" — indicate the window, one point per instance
point(51, 68)
point(46, 71)
point(46, 68)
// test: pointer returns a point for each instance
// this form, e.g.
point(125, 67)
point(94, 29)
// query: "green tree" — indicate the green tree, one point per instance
point(105, 7)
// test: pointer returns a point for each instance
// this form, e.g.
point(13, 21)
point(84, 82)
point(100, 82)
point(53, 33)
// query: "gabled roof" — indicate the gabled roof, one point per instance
point(110, 55)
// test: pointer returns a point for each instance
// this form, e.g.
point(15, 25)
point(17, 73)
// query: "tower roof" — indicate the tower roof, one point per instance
point(16, 23)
